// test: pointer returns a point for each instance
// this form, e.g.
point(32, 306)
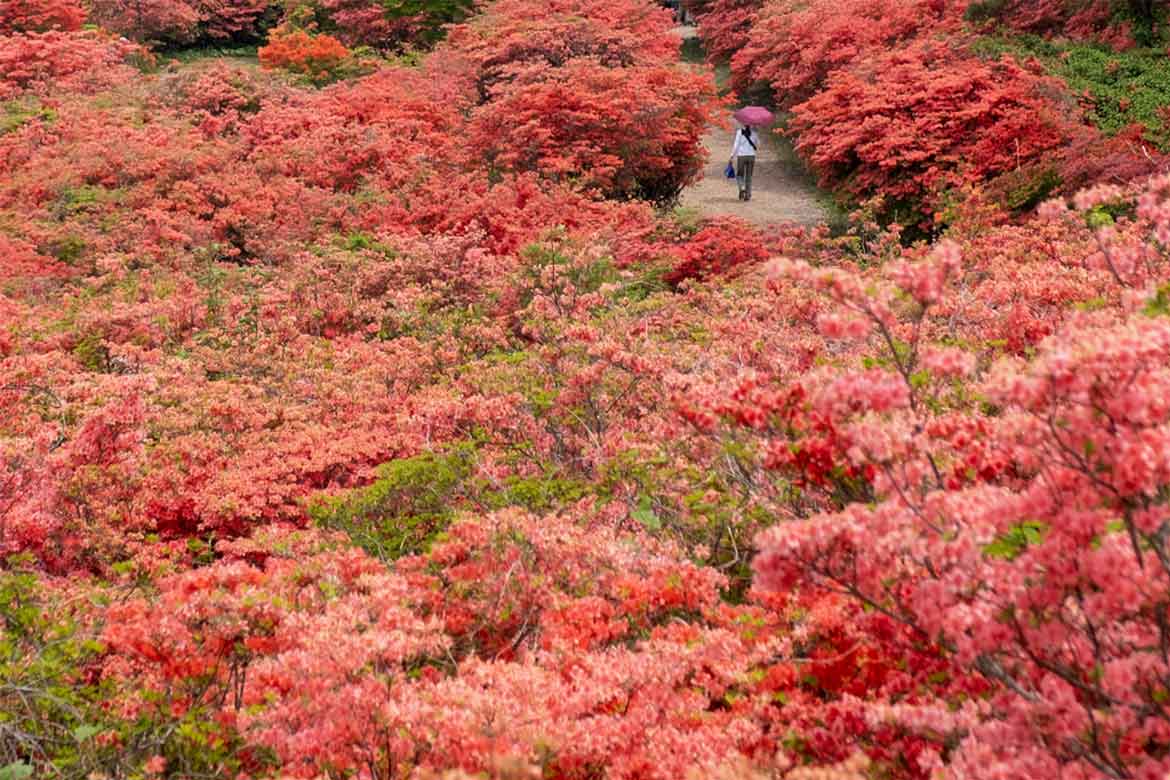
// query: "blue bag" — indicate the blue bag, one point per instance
point(729, 171)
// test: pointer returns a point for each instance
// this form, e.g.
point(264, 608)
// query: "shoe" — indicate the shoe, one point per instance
point(741, 195)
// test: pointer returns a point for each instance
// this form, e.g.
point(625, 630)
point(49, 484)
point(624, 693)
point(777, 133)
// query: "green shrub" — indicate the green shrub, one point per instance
point(42, 705)
point(411, 501)
point(984, 10)
point(16, 113)
point(1028, 188)
point(1125, 88)
point(68, 250)
point(536, 493)
point(91, 351)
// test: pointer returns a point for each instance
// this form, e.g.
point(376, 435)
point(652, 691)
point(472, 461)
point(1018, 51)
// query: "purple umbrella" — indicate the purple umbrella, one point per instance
point(754, 116)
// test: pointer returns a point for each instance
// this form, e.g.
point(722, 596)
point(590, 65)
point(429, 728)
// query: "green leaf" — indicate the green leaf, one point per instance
point(1159, 305)
point(85, 731)
point(16, 771)
point(1015, 540)
point(644, 514)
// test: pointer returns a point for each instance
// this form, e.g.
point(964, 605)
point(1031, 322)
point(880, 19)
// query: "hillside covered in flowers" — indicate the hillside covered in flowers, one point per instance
point(369, 410)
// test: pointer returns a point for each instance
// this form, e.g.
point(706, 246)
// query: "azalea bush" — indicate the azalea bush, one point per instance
point(967, 121)
point(32, 63)
point(597, 100)
point(40, 16)
point(1119, 22)
point(726, 25)
point(625, 132)
point(390, 427)
point(794, 46)
point(165, 21)
point(319, 57)
point(719, 247)
point(910, 444)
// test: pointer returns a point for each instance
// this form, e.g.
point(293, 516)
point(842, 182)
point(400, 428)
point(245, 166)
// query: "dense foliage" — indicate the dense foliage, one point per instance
point(396, 427)
point(319, 57)
point(913, 103)
point(922, 120)
point(40, 16)
point(381, 24)
point(387, 23)
point(183, 22)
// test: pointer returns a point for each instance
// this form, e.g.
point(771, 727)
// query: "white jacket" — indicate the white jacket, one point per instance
point(740, 146)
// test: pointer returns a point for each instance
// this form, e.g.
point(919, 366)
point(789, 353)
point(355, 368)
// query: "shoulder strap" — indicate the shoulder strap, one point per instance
point(748, 138)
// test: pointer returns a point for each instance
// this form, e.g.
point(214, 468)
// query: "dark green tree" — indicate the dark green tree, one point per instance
point(434, 13)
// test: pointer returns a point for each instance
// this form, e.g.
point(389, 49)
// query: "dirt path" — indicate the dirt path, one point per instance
point(780, 192)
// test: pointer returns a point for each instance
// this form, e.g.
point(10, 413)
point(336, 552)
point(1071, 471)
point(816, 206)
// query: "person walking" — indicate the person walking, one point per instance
point(743, 156)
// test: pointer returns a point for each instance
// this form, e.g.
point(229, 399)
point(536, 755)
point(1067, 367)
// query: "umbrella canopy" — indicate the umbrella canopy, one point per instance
point(754, 116)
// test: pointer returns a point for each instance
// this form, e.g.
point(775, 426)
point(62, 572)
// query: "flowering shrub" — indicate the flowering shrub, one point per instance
point(185, 22)
point(599, 101)
point(912, 122)
point(794, 46)
point(221, 20)
point(720, 246)
point(899, 452)
point(384, 430)
point(40, 16)
point(726, 25)
point(390, 24)
point(41, 62)
point(625, 132)
point(508, 43)
point(161, 21)
point(1089, 20)
point(320, 57)
point(387, 24)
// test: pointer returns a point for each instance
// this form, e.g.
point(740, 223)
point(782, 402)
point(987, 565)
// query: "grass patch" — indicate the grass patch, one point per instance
point(785, 151)
point(189, 56)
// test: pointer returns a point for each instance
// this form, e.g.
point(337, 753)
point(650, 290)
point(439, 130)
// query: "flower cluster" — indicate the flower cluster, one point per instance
point(317, 56)
point(386, 429)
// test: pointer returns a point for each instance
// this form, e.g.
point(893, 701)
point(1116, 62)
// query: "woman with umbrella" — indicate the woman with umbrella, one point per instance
point(745, 146)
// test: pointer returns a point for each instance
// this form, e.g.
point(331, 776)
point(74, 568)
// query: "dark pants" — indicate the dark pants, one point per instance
point(744, 167)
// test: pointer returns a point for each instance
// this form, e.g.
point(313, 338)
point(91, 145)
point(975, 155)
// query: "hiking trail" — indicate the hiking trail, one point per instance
point(781, 190)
